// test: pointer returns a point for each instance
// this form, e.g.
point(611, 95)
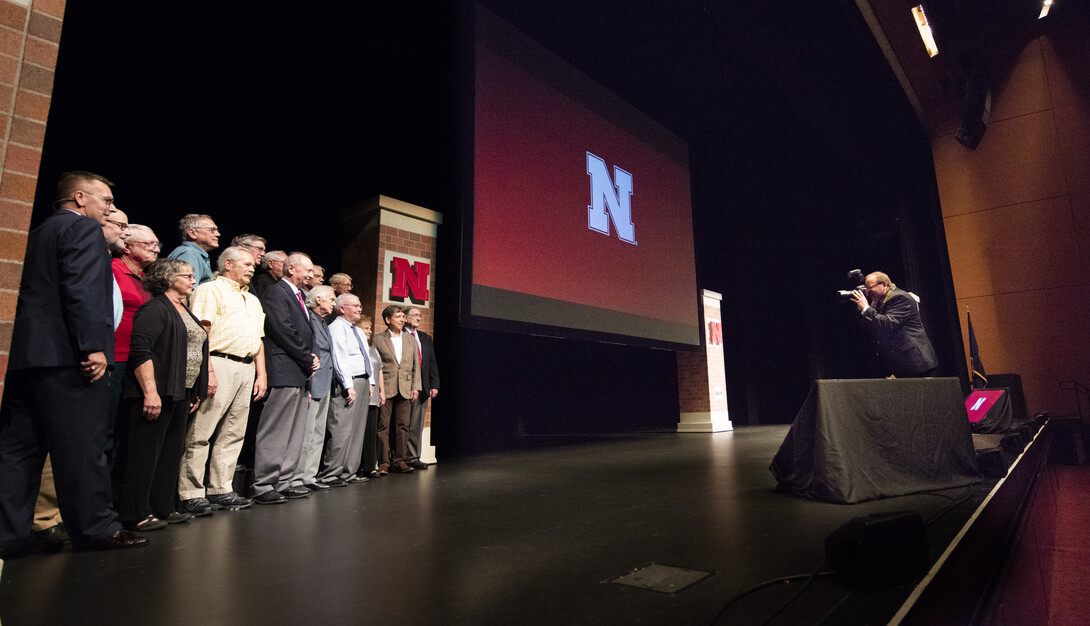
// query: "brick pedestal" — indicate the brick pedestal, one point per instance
point(389, 251)
point(702, 386)
point(30, 33)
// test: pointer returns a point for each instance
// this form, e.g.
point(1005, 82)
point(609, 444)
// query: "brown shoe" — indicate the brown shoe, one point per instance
point(402, 467)
point(383, 469)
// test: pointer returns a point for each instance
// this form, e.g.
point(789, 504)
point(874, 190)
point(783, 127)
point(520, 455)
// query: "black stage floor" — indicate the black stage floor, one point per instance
point(530, 537)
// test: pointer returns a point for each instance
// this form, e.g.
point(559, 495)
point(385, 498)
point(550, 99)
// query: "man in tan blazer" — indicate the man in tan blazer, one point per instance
point(401, 378)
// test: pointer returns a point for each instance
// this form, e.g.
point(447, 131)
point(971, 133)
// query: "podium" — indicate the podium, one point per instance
point(858, 440)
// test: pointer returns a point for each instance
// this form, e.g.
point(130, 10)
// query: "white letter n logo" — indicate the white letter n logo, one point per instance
point(607, 198)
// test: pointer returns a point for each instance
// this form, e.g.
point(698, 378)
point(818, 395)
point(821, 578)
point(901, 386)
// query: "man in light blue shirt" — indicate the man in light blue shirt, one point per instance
point(348, 412)
point(199, 236)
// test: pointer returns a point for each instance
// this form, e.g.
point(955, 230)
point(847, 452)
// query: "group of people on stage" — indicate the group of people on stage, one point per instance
point(132, 379)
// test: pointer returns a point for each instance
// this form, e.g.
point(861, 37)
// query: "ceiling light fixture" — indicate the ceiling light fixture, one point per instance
point(925, 30)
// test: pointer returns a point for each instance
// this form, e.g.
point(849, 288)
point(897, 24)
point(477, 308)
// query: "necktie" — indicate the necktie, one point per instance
point(363, 351)
point(419, 355)
point(303, 304)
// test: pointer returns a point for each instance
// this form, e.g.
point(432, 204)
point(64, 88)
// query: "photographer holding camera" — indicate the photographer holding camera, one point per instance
point(892, 317)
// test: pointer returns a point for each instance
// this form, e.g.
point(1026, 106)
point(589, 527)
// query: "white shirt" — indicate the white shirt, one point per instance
point(398, 344)
point(346, 352)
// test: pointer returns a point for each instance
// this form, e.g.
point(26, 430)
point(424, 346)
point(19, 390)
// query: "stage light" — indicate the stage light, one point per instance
point(1045, 6)
point(925, 30)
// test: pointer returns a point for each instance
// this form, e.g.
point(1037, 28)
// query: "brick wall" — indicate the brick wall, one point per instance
point(30, 34)
point(382, 225)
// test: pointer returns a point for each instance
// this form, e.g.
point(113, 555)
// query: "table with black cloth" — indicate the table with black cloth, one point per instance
point(857, 440)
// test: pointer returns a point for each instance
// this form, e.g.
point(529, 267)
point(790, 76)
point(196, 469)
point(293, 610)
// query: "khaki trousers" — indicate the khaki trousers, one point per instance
point(214, 437)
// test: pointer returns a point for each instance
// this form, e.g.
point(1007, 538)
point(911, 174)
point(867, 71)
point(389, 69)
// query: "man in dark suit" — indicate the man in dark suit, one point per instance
point(271, 270)
point(429, 380)
point(892, 317)
point(401, 379)
point(56, 386)
point(289, 362)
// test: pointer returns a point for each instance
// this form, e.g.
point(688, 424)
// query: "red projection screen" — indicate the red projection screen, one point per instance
point(582, 216)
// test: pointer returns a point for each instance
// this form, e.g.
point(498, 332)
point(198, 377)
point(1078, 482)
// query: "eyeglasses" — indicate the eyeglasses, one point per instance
point(150, 245)
point(109, 200)
point(122, 225)
point(252, 246)
point(211, 229)
point(189, 276)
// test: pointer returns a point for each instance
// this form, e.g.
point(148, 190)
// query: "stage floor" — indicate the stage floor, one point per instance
point(531, 537)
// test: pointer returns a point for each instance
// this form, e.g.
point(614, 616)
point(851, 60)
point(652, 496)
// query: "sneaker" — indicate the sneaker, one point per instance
point(229, 502)
point(178, 517)
point(197, 507)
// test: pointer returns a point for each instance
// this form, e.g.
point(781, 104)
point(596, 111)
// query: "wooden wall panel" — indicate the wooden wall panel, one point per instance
point(1041, 335)
point(1018, 161)
point(1015, 248)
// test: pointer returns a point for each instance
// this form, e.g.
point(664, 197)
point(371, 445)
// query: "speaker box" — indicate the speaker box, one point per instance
point(1013, 384)
point(880, 550)
point(991, 463)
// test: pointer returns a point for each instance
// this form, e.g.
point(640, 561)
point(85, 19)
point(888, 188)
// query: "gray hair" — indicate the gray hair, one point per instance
point(188, 221)
point(342, 299)
point(232, 253)
point(339, 278)
point(144, 230)
point(160, 275)
point(273, 256)
point(321, 291)
point(248, 238)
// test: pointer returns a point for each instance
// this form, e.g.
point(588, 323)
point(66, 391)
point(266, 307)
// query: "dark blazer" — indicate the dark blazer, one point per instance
point(159, 335)
point(899, 336)
point(398, 378)
point(261, 281)
point(322, 381)
point(65, 309)
point(429, 369)
point(288, 337)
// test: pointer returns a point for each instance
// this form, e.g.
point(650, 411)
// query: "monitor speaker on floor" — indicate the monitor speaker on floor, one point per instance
point(880, 550)
point(991, 463)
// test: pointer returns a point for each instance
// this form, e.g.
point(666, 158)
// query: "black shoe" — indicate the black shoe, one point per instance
point(270, 497)
point(230, 501)
point(120, 539)
point(295, 492)
point(336, 482)
point(316, 486)
point(51, 539)
point(356, 478)
point(418, 464)
point(178, 517)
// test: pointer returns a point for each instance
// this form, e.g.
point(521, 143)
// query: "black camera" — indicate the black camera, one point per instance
point(854, 277)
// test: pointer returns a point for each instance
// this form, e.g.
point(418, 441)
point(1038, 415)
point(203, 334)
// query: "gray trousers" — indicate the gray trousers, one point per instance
point(416, 426)
point(313, 442)
point(345, 425)
point(280, 434)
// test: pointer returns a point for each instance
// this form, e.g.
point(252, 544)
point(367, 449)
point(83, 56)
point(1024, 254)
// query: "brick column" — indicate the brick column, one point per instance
point(30, 34)
point(702, 383)
point(390, 255)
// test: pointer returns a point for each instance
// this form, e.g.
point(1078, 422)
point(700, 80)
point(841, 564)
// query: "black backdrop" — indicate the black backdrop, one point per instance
point(806, 162)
